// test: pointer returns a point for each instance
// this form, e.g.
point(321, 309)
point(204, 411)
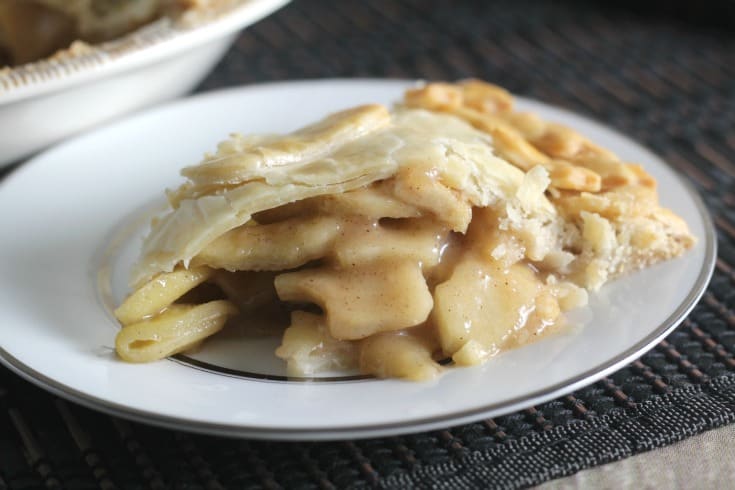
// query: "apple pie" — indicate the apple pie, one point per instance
point(34, 29)
point(451, 227)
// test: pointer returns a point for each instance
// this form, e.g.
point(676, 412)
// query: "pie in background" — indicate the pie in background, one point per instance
point(34, 29)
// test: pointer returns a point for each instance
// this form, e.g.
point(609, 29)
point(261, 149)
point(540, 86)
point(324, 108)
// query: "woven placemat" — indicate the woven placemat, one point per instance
point(667, 80)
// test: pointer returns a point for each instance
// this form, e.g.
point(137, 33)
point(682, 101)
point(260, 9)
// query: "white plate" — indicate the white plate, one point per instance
point(71, 221)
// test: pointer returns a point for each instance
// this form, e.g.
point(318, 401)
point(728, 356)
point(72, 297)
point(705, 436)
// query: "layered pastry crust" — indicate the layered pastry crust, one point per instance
point(451, 227)
point(612, 204)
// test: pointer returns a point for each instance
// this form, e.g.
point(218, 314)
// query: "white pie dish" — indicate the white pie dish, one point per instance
point(46, 101)
point(57, 331)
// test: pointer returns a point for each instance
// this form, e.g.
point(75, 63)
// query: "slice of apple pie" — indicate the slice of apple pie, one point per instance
point(449, 227)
